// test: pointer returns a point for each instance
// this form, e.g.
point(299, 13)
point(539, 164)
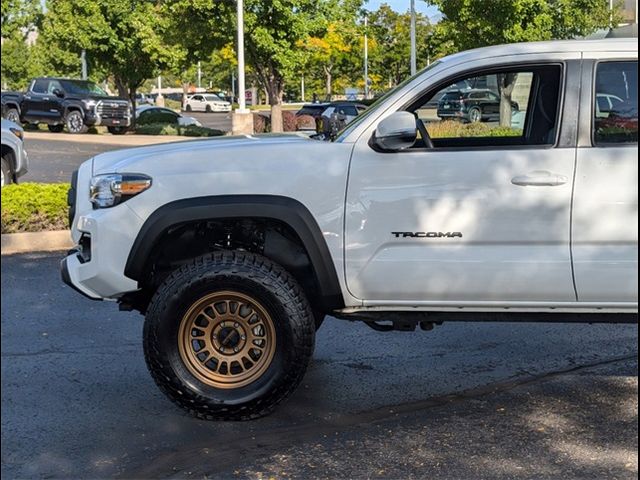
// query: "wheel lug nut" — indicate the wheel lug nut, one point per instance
point(243, 337)
point(235, 349)
point(236, 324)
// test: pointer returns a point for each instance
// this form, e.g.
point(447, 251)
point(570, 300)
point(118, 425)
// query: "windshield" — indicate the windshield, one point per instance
point(374, 106)
point(212, 98)
point(82, 87)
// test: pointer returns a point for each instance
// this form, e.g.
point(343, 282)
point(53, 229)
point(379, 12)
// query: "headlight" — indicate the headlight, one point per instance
point(89, 103)
point(111, 189)
point(17, 132)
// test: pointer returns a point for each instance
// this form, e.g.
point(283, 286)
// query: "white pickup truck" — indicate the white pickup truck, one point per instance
point(235, 248)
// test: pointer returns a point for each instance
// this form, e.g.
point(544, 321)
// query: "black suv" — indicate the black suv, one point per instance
point(60, 102)
point(471, 106)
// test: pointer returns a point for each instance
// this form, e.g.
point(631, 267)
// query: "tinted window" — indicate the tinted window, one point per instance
point(157, 115)
point(616, 109)
point(449, 96)
point(54, 84)
point(82, 87)
point(348, 110)
point(40, 86)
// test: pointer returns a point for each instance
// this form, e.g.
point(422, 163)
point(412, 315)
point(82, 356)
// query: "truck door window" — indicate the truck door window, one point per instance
point(53, 85)
point(506, 107)
point(40, 86)
point(615, 112)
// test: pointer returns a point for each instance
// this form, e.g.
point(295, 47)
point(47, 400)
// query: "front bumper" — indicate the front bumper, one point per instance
point(66, 276)
point(103, 237)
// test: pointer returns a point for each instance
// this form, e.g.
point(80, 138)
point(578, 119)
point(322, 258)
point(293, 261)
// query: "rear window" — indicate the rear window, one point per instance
point(615, 116)
point(312, 109)
point(447, 97)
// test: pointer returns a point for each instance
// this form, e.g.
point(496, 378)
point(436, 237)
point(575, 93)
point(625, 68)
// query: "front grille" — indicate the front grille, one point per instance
point(112, 110)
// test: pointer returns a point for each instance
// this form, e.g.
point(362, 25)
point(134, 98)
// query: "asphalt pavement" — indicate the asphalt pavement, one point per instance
point(464, 401)
point(52, 159)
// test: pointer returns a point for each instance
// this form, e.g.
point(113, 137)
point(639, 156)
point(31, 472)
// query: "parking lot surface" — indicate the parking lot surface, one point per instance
point(466, 400)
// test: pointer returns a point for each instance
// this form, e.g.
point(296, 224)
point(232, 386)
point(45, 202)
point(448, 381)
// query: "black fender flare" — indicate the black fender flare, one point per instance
point(284, 209)
point(73, 105)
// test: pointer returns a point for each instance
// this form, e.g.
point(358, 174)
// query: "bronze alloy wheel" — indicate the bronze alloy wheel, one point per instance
point(227, 339)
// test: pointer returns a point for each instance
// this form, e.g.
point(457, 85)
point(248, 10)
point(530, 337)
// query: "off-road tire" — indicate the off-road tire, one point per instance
point(247, 274)
point(74, 122)
point(7, 177)
point(56, 128)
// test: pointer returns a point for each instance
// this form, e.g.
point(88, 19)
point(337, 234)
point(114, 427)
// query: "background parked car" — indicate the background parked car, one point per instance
point(15, 161)
point(471, 106)
point(313, 109)
point(147, 114)
point(337, 115)
point(143, 99)
point(206, 102)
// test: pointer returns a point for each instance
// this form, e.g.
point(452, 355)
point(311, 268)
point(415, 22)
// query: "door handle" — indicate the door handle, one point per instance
point(539, 178)
point(45, 98)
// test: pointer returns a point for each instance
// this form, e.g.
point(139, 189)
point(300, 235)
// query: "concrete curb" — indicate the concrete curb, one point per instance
point(29, 242)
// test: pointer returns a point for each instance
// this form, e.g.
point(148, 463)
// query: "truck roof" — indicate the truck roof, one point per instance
point(553, 46)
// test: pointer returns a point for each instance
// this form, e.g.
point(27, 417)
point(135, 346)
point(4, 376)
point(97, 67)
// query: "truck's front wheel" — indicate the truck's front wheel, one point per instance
point(75, 122)
point(229, 336)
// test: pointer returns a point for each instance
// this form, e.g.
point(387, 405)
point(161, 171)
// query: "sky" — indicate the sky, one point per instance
point(403, 6)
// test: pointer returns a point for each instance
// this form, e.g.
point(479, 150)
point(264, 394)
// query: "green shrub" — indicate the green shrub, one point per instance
point(172, 104)
point(34, 207)
point(173, 129)
point(454, 129)
point(195, 131)
point(157, 129)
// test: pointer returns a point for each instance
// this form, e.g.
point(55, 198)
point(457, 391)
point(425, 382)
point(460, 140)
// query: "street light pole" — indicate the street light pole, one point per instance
point(242, 108)
point(83, 61)
point(199, 75)
point(366, 58)
point(413, 37)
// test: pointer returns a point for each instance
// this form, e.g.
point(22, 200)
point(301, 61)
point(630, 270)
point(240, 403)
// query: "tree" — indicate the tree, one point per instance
point(477, 23)
point(193, 30)
point(121, 37)
point(390, 30)
point(273, 32)
point(20, 16)
point(19, 19)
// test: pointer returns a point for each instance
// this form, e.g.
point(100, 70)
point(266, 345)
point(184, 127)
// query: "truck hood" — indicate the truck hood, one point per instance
point(189, 151)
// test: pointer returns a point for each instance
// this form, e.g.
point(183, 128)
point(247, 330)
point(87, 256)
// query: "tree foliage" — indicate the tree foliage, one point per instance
point(478, 23)
point(122, 38)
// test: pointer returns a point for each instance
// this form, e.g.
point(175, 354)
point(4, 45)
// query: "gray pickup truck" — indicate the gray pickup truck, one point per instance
point(60, 102)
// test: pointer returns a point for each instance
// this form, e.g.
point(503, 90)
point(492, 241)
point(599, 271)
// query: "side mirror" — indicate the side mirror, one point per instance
point(58, 93)
point(396, 132)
